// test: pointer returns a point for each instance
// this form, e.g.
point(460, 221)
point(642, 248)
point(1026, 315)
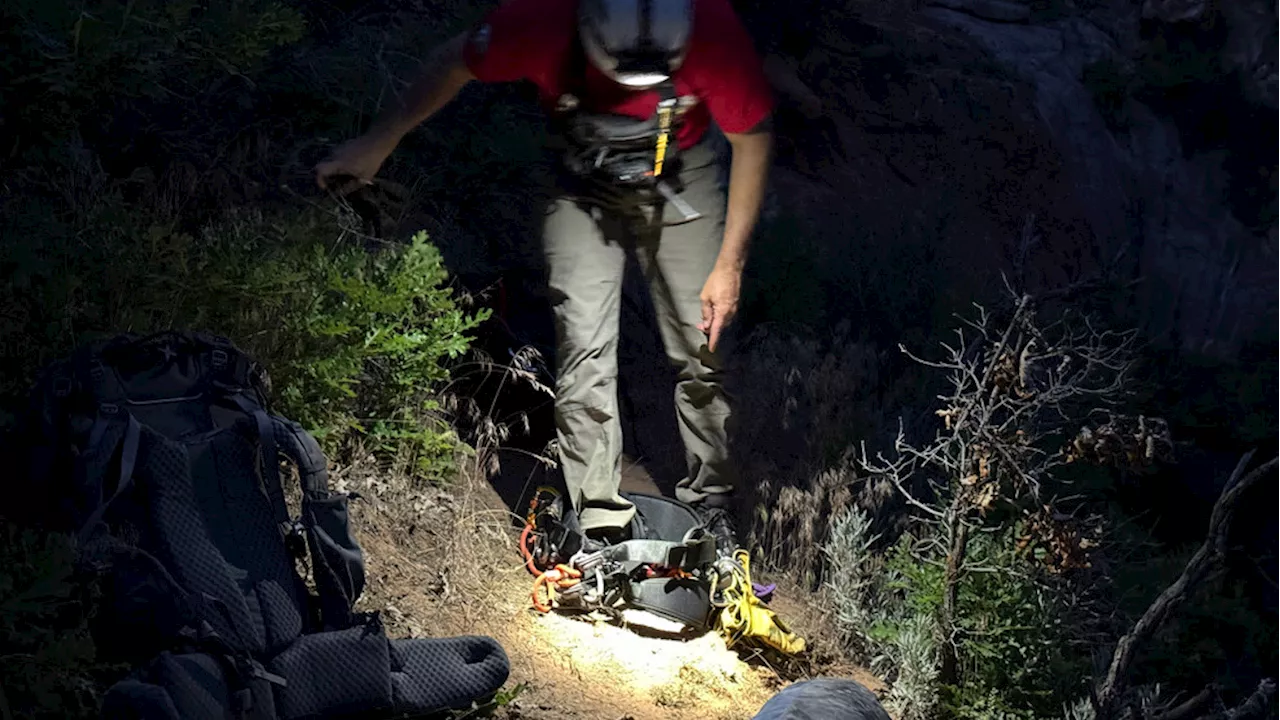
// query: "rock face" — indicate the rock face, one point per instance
point(994, 10)
point(1251, 47)
point(959, 142)
point(1210, 282)
point(1174, 10)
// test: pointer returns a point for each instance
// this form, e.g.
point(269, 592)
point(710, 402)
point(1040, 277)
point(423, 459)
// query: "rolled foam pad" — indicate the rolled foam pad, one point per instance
point(135, 700)
point(430, 674)
point(334, 673)
point(823, 699)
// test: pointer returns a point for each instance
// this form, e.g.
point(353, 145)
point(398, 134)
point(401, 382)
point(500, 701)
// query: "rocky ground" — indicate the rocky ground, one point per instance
point(444, 562)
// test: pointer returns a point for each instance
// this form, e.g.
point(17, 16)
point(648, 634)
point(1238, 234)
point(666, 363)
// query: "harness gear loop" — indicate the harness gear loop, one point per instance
point(530, 538)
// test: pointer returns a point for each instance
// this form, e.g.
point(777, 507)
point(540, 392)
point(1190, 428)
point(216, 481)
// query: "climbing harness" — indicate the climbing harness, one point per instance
point(619, 159)
point(682, 580)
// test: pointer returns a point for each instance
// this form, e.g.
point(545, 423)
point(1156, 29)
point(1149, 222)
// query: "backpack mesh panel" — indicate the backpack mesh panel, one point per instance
point(183, 543)
point(435, 673)
point(339, 671)
point(241, 523)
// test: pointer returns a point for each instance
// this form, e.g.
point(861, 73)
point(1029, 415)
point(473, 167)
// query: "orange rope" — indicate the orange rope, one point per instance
point(525, 536)
point(561, 576)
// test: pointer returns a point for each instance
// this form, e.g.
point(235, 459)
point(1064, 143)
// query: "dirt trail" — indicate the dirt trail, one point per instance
point(445, 563)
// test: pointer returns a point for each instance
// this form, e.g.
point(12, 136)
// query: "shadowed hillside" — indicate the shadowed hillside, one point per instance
point(936, 163)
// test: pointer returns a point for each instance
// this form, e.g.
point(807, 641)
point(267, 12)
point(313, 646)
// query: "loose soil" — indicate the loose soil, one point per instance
point(443, 563)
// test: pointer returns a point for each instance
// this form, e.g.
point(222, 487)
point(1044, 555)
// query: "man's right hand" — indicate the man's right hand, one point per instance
point(359, 158)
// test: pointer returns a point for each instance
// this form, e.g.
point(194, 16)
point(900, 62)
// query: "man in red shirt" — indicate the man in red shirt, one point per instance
point(632, 87)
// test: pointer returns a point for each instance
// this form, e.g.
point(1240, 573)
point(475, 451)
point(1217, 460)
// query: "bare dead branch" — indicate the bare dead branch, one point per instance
point(1256, 704)
point(926, 363)
point(1210, 554)
point(1189, 709)
point(1023, 303)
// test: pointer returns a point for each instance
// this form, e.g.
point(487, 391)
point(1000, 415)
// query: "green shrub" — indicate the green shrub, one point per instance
point(1220, 634)
point(356, 341)
point(138, 139)
point(1015, 650)
point(66, 62)
point(47, 655)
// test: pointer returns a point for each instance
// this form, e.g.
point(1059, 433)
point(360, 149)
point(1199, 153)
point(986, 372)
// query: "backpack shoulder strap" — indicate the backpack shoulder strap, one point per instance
point(305, 452)
point(124, 480)
point(337, 560)
point(266, 431)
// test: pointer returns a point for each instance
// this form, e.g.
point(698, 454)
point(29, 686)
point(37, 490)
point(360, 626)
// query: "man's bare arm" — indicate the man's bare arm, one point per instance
point(445, 75)
point(748, 173)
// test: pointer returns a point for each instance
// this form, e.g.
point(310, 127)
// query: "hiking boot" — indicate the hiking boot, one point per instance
point(720, 524)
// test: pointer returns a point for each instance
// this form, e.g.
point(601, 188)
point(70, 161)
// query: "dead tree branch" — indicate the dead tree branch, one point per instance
point(1256, 704)
point(1206, 559)
point(1019, 389)
point(1192, 708)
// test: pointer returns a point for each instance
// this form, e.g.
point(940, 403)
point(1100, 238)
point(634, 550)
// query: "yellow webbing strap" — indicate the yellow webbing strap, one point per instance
point(665, 110)
point(745, 617)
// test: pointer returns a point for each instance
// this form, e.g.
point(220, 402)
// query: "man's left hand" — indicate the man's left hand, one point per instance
point(719, 302)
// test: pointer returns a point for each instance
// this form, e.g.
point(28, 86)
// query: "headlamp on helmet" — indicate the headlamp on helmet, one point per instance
point(637, 43)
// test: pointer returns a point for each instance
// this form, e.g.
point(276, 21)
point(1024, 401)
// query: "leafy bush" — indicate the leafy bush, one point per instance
point(151, 148)
point(1220, 632)
point(356, 341)
point(1014, 641)
point(147, 60)
point(47, 655)
point(136, 131)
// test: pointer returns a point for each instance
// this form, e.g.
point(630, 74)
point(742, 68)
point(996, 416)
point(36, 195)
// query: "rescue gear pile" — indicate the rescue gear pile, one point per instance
point(160, 455)
point(670, 567)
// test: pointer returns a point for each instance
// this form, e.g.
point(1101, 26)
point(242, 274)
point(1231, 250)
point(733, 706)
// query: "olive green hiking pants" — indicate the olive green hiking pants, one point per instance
point(586, 251)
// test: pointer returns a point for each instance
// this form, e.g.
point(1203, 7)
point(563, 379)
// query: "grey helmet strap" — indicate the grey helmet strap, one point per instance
point(645, 9)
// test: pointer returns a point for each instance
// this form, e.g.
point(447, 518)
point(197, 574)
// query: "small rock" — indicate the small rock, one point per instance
point(994, 10)
point(1172, 11)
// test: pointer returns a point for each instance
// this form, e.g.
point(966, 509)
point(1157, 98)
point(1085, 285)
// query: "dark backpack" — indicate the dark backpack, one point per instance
point(160, 455)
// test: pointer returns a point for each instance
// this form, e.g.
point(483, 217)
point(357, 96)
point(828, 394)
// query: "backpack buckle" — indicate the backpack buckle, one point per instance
point(219, 357)
point(61, 387)
point(295, 539)
point(108, 408)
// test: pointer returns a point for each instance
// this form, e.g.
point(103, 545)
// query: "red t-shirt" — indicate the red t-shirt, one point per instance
point(534, 40)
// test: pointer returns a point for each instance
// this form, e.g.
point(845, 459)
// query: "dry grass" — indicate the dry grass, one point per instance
point(444, 563)
point(808, 405)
